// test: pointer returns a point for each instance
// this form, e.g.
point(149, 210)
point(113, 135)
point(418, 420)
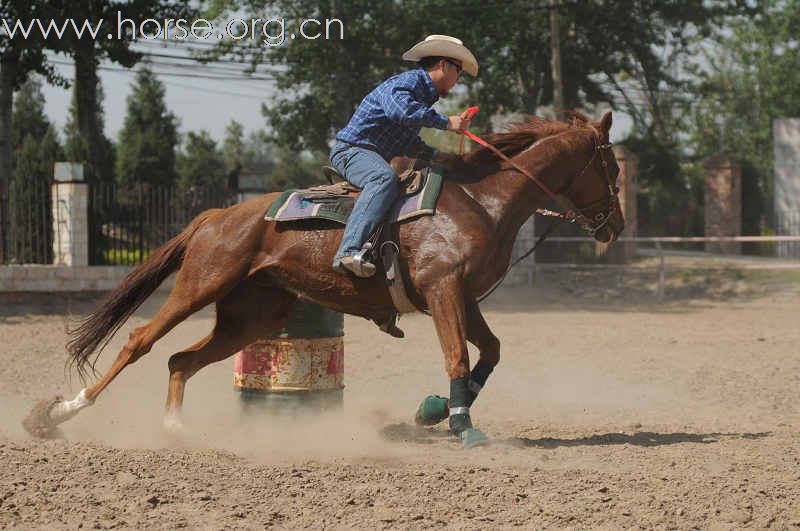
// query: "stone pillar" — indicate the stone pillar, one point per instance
point(70, 216)
point(525, 271)
point(786, 141)
point(723, 202)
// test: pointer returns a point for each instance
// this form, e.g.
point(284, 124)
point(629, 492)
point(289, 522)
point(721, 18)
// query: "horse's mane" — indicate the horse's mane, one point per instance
point(520, 135)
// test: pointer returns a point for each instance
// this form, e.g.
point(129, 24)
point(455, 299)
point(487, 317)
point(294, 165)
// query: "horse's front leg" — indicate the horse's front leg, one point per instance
point(434, 408)
point(450, 316)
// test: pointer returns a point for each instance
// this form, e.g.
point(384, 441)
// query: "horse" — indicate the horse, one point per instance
point(254, 270)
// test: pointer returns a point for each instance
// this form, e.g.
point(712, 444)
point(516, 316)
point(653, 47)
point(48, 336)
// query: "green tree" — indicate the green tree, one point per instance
point(77, 150)
point(750, 77)
point(604, 44)
point(149, 135)
point(36, 149)
point(233, 152)
point(259, 153)
point(19, 57)
point(200, 162)
point(87, 52)
point(233, 146)
point(295, 171)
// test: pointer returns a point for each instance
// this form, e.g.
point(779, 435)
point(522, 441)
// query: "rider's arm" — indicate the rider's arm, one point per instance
point(418, 148)
point(400, 106)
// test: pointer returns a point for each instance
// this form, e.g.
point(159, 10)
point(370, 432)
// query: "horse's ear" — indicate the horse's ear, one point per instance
point(605, 123)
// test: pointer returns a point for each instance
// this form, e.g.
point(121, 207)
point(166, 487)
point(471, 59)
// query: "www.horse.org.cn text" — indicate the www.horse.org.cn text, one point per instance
point(274, 31)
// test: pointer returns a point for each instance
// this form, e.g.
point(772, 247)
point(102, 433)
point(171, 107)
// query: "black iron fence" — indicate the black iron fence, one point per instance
point(127, 223)
point(28, 223)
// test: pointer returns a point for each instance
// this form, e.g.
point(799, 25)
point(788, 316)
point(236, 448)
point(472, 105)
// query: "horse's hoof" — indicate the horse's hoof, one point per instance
point(432, 411)
point(38, 423)
point(173, 425)
point(473, 437)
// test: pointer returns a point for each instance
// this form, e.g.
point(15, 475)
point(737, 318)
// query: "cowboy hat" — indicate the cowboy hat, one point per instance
point(444, 46)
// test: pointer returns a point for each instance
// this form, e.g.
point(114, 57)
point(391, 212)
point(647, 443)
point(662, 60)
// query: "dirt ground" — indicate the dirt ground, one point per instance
point(608, 410)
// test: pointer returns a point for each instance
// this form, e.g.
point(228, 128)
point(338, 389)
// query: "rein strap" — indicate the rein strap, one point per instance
point(570, 214)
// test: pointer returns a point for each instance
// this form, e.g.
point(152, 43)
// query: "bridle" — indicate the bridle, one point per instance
point(578, 213)
point(590, 224)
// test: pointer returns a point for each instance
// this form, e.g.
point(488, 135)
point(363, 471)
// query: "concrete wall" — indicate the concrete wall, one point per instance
point(48, 278)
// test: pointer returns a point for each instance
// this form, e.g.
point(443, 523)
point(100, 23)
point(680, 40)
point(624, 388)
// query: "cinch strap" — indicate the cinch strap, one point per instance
point(459, 411)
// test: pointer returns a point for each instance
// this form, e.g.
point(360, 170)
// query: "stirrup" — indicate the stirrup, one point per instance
point(357, 264)
point(362, 266)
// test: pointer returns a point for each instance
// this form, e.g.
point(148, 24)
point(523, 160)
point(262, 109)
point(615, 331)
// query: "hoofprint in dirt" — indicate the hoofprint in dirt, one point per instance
point(605, 411)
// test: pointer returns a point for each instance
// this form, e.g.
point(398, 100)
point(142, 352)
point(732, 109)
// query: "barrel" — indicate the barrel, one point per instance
point(298, 367)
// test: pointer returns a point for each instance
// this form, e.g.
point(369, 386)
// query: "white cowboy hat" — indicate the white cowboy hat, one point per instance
point(444, 46)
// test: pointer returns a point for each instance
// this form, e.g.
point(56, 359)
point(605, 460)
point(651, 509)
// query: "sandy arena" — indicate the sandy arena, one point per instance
point(607, 410)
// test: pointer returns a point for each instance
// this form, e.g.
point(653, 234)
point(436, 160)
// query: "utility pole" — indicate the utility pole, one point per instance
point(555, 62)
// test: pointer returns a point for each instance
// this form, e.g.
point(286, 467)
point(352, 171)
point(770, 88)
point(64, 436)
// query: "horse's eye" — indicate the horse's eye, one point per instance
point(600, 216)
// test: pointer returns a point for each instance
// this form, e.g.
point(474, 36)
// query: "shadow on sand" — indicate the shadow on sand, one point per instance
point(642, 438)
point(408, 433)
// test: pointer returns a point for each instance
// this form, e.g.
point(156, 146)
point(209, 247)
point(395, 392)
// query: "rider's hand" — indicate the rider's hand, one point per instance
point(456, 123)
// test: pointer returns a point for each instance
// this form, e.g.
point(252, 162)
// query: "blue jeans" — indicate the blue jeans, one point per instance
point(378, 181)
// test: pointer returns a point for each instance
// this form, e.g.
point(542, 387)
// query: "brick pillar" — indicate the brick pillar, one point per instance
point(70, 216)
point(628, 164)
point(723, 202)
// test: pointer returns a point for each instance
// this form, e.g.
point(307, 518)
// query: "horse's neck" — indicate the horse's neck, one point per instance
point(510, 198)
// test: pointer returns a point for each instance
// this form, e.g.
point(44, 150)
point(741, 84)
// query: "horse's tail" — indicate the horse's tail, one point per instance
point(95, 331)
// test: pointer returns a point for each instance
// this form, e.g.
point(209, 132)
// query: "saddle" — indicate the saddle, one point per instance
point(410, 180)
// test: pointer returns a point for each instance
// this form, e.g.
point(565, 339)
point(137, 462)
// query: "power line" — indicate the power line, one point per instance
point(175, 74)
point(212, 91)
point(174, 84)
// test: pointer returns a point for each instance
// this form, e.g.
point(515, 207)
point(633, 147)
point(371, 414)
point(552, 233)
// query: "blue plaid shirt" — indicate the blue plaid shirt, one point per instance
point(389, 118)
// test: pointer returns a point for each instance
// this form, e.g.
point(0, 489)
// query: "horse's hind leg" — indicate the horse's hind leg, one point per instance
point(187, 297)
point(245, 315)
point(480, 335)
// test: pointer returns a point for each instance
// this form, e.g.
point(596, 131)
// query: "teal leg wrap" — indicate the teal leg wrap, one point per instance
point(460, 399)
point(432, 411)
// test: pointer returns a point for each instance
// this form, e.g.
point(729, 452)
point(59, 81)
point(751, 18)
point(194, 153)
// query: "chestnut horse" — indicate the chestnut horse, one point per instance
point(254, 270)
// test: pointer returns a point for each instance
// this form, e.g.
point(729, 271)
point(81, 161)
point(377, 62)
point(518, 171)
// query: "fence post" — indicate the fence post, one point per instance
point(70, 215)
point(723, 202)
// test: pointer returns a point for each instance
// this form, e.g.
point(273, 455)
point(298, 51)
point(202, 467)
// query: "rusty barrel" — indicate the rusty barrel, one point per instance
point(300, 366)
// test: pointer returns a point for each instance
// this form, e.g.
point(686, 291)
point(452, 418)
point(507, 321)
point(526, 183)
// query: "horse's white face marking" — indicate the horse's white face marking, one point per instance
point(67, 409)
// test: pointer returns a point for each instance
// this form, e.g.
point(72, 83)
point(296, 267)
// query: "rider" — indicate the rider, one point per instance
point(387, 124)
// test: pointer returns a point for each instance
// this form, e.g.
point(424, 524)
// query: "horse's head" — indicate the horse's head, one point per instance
point(594, 191)
point(576, 157)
